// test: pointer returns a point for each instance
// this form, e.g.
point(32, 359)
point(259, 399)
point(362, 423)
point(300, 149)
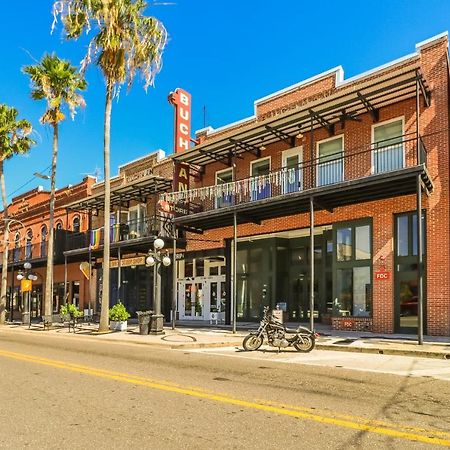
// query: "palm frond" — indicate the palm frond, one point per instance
point(57, 81)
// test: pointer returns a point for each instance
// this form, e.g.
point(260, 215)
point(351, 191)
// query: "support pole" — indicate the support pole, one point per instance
point(119, 274)
point(90, 314)
point(65, 282)
point(419, 262)
point(418, 122)
point(233, 273)
point(11, 309)
point(174, 278)
point(311, 232)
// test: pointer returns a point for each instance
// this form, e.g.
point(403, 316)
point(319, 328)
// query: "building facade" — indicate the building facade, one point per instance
point(136, 222)
point(353, 159)
point(28, 242)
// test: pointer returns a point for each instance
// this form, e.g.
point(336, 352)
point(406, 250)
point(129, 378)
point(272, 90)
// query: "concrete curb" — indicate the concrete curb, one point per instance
point(418, 353)
point(411, 352)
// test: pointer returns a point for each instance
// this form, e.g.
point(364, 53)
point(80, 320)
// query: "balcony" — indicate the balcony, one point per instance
point(133, 231)
point(347, 177)
point(38, 251)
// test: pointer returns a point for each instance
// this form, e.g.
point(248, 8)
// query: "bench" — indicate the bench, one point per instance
point(63, 319)
point(50, 319)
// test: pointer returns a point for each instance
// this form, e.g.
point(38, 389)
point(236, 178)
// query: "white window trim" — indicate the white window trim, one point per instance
point(372, 141)
point(339, 136)
point(296, 151)
point(229, 169)
point(216, 176)
point(259, 160)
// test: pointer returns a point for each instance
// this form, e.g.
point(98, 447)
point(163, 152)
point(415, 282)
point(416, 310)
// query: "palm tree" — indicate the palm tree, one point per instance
point(126, 43)
point(58, 82)
point(14, 140)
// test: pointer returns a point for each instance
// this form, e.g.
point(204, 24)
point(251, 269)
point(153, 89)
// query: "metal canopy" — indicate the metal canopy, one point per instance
point(374, 187)
point(138, 191)
point(364, 96)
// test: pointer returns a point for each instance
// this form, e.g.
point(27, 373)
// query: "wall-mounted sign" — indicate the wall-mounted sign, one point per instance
point(182, 102)
point(382, 275)
point(128, 262)
point(138, 175)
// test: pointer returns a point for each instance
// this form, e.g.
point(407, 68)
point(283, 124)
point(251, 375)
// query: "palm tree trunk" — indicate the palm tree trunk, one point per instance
point(5, 247)
point(104, 314)
point(48, 299)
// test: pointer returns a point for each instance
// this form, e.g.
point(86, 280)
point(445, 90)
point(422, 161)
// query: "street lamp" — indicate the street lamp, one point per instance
point(155, 258)
point(26, 275)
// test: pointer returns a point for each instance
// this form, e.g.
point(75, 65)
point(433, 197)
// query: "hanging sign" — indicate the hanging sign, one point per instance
point(128, 262)
point(26, 285)
point(85, 269)
point(382, 275)
point(182, 102)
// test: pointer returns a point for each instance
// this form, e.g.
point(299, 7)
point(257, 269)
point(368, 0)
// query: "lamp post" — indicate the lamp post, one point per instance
point(8, 223)
point(155, 258)
point(26, 278)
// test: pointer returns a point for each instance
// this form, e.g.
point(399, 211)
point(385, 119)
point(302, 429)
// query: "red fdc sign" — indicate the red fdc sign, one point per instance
point(182, 102)
point(382, 275)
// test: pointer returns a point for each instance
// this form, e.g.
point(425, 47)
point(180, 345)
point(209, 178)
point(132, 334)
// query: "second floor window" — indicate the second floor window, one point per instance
point(388, 149)
point(330, 167)
point(76, 224)
point(28, 248)
point(260, 185)
point(224, 197)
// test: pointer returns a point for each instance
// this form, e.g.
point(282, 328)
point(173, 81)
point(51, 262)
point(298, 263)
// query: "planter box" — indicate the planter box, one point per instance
point(118, 326)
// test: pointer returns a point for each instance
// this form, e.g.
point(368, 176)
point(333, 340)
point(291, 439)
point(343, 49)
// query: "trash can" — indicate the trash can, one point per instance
point(144, 320)
point(26, 318)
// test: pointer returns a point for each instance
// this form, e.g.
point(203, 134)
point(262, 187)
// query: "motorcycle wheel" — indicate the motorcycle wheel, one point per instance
point(307, 345)
point(252, 342)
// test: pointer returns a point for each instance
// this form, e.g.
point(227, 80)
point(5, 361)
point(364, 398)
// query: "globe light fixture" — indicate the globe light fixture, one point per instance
point(20, 276)
point(27, 266)
point(166, 261)
point(158, 244)
point(150, 261)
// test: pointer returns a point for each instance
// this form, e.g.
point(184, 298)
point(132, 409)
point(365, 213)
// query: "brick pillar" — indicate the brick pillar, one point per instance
point(383, 290)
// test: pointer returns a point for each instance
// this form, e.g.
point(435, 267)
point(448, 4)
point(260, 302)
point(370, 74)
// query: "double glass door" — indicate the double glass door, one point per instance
point(200, 297)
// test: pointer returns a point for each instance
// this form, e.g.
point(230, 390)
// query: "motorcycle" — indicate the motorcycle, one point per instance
point(303, 339)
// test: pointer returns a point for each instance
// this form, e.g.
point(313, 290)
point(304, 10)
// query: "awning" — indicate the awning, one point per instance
point(139, 190)
point(367, 95)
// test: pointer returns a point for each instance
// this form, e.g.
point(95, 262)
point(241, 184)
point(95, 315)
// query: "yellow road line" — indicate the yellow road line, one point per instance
point(297, 412)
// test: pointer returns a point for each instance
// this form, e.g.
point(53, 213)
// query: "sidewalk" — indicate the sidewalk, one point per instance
point(189, 337)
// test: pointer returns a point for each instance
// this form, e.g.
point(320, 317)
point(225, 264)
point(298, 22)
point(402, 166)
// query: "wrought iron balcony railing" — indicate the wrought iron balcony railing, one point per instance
point(157, 225)
point(332, 169)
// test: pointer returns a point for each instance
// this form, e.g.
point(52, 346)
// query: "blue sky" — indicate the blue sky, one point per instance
point(225, 53)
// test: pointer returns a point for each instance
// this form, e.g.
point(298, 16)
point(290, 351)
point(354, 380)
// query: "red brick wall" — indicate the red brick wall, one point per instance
point(434, 124)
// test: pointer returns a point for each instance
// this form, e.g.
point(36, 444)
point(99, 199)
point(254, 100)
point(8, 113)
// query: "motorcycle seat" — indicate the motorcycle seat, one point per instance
point(291, 330)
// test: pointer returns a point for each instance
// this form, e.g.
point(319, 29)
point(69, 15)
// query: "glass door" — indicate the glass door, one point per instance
point(292, 175)
point(407, 290)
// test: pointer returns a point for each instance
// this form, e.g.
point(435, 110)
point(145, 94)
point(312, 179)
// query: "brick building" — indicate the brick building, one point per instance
point(356, 159)
point(135, 223)
point(29, 225)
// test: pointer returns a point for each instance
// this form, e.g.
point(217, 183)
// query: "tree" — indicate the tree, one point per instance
point(126, 43)
point(59, 83)
point(14, 140)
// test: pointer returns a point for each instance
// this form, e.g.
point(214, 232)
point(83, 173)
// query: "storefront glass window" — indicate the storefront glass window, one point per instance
point(402, 236)
point(344, 244)
point(362, 242)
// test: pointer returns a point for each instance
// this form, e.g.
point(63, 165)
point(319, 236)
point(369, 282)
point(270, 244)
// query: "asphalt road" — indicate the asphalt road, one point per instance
point(60, 393)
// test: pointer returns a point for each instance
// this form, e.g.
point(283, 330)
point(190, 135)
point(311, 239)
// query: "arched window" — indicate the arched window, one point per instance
point(28, 246)
point(16, 252)
point(59, 226)
point(44, 233)
point(76, 224)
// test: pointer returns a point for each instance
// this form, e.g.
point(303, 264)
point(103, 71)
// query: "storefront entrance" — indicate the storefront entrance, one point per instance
point(277, 271)
point(201, 296)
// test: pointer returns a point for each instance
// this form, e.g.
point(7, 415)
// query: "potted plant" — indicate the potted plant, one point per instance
point(118, 316)
point(70, 310)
